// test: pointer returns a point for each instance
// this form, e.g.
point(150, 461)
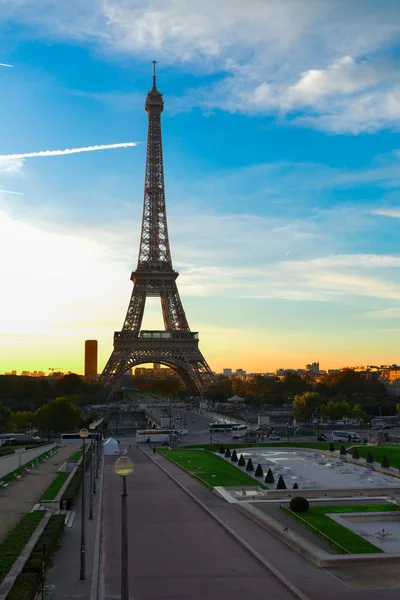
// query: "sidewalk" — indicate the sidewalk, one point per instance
point(65, 573)
point(305, 576)
point(21, 495)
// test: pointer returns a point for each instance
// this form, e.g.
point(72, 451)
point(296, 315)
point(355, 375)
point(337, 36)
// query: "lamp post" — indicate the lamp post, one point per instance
point(287, 431)
point(92, 427)
point(83, 434)
point(124, 467)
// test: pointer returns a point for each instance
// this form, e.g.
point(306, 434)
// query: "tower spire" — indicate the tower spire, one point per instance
point(154, 75)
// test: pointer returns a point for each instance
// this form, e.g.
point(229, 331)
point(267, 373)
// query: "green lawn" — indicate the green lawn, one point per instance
point(230, 444)
point(75, 456)
point(378, 452)
point(209, 468)
point(54, 487)
point(15, 541)
point(353, 543)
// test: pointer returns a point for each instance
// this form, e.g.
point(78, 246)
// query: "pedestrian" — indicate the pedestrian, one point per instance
point(148, 441)
point(154, 449)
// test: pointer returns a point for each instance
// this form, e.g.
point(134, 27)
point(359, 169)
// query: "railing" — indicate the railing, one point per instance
point(316, 531)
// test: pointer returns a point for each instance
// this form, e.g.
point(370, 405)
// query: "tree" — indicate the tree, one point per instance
point(60, 415)
point(69, 384)
point(21, 421)
point(305, 404)
point(249, 466)
point(295, 486)
point(5, 414)
point(281, 485)
point(234, 457)
point(221, 449)
point(355, 453)
point(259, 472)
point(269, 478)
point(242, 462)
point(370, 458)
point(331, 447)
point(342, 450)
point(227, 453)
point(385, 462)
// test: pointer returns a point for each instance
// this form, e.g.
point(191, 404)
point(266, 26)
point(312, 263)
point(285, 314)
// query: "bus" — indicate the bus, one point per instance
point(73, 438)
point(155, 435)
point(222, 426)
point(239, 431)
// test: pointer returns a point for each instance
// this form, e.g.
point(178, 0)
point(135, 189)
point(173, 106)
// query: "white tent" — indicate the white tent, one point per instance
point(236, 399)
point(111, 447)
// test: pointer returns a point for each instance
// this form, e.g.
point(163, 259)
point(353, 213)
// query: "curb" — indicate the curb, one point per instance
point(94, 588)
point(293, 589)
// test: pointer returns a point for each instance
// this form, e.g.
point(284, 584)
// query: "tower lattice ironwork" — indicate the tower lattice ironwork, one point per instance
point(175, 346)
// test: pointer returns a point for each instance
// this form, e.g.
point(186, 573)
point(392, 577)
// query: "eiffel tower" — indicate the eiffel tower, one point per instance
point(175, 346)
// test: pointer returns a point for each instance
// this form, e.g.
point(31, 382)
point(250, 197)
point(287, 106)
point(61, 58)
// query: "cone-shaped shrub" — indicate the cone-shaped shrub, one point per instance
point(299, 504)
point(227, 453)
point(249, 466)
point(234, 457)
point(342, 450)
point(331, 448)
point(242, 462)
point(259, 472)
point(370, 458)
point(221, 449)
point(355, 453)
point(269, 478)
point(385, 462)
point(281, 485)
point(295, 486)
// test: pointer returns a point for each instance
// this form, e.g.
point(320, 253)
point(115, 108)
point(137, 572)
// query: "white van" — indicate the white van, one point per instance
point(345, 436)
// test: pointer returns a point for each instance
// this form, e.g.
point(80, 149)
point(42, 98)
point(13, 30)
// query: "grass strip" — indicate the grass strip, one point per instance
point(54, 487)
point(209, 469)
point(353, 543)
point(75, 457)
point(15, 541)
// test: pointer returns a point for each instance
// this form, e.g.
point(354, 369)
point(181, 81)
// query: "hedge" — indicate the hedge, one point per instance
point(27, 584)
point(51, 492)
point(71, 493)
point(16, 540)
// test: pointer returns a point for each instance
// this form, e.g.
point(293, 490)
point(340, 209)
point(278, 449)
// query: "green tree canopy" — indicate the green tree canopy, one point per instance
point(305, 404)
point(5, 415)
point(21, 421)
point(58, 416)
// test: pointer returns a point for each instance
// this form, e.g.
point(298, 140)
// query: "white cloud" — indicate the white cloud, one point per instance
point(322, 58)
point(387, 212)
point(11, 166)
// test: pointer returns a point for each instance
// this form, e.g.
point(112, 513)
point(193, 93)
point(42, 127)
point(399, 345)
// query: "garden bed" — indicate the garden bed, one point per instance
point(15, 541)
point(54, 487)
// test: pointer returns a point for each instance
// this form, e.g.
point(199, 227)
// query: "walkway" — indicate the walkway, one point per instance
point(176, 551)
point(21, 495)
point(309, 579)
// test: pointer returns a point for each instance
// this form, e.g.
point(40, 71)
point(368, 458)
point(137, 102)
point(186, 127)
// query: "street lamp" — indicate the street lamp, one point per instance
point(287, 431)
point(124, 467)
point(83, 434)
point(92, 427)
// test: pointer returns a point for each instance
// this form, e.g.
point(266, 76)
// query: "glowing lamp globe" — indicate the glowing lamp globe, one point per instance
point(124, 466)
point(83, 434)
point(92, 425)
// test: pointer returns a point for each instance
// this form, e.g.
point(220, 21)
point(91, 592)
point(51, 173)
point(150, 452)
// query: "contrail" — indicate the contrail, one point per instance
point(6, 65)
point(10, 192)
point(288, 252)
point(69, 151)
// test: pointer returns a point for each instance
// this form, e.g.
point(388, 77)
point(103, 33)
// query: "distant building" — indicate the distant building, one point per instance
point(240, 373)
point(227, 372)
point(390, 377)
point(313, 368)
point(91, 348)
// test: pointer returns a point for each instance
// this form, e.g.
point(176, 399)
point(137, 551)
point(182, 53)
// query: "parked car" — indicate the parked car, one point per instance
point(322, 438)
point(183, 431)
point(274, 437)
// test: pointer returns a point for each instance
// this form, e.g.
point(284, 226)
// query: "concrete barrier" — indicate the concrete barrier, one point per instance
point(12, 462)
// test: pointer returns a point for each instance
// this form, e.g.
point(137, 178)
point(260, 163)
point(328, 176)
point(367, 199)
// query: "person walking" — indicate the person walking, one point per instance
point(154, 449)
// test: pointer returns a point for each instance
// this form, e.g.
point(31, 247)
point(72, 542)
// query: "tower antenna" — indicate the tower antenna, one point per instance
point(154, 75)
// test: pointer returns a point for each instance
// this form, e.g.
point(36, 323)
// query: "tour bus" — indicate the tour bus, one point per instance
point(345, 436)
point(155, 435)
point(73, 438)
point(239, 431)
point(222, 426)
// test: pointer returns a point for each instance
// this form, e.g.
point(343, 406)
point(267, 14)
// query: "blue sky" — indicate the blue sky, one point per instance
point(281, 149)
